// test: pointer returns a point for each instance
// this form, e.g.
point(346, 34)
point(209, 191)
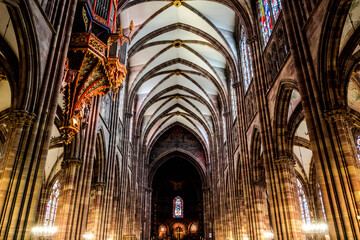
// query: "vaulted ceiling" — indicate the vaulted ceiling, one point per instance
point(180, 62)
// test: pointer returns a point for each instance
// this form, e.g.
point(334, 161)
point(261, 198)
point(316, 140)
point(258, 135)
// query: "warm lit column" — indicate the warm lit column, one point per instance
point(288, 207)
point(71, 170)
point(17, 171)
point(259, 207)
point(94, 216)
point(336, 164)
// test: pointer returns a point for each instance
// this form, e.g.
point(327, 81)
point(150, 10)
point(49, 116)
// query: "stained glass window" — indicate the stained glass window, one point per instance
point(51, 206)
point(178, 207)
point(276, 8)
point(304, 207)
point(265, 19)
point(269, 11)
point(321, 201)
point(246, 63)
point(358, 146)
point(233, 101)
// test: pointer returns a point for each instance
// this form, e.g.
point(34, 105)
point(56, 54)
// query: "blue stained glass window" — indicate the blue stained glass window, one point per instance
point(51, 206)
point(304, 207)
point(178, 207)
point(265, 19)
point(276, 8)
point(246, 63)
point(321, 201)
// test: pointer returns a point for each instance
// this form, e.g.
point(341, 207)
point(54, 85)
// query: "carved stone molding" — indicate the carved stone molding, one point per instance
point(259, 183)
point(3, 76)
point(226, 114)
point(236, 84)
point(21, 117)
point(129, 115)
point(285, 160)
point(98, 186)
point(335, 114)
point(251, 39)
point(77, 162)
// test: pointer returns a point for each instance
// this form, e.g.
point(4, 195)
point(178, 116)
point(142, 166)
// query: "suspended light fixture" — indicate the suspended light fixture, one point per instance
point(88, 236)
point(268, 235)
point(44, 231)
point(315, 228)
point(93, 68)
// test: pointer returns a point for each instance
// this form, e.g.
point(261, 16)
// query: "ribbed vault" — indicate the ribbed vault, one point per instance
point(181, 60)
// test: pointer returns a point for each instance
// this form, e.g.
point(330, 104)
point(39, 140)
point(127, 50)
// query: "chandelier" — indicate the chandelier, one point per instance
point(93, 68)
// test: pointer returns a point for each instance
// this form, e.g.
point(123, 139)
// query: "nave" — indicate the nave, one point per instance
point(179, 119)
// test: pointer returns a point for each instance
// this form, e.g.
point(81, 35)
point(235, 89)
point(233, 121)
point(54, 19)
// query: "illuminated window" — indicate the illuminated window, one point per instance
point(246, 64)
point(358, 146)
point(321, 201)
point(178, 207)
point(233, 101)
point(51, 206)
point(304, 207)
point(269, 11)
point(276, 8)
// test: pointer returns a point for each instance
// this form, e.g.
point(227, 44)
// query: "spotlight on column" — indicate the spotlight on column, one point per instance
point(315, 228)
point(88, 236)
point(268, 235)
point(44, 231)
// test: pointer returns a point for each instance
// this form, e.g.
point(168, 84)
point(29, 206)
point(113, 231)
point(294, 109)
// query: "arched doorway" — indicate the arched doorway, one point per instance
point(177, 200)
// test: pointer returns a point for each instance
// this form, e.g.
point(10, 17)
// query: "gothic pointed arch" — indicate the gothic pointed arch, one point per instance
point(281, 116)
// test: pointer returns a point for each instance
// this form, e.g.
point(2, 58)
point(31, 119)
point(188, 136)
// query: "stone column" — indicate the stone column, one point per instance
point(259, 209)
point(95, 208)
point(76, 179)
point(339, 178)
point(71, 169)
point(288, 206)
point(147, 212)
point(17, 172)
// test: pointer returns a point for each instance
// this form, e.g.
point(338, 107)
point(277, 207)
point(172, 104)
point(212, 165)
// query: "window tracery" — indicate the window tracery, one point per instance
point(51, 206)
point(246, 63)
point(304, 207)
point(269, 12)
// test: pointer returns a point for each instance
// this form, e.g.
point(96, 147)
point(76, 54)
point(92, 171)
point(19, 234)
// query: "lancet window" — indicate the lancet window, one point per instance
point(233, 101)
point(51, 206)
point(247, 69)
point(269, 11)
point(178, 207)
point(304, 206)
point(321, 201)
point(358, 146)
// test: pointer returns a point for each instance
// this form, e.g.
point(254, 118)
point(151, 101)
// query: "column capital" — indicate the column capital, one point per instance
point(226, 114)
point(251, 39)
point(129, 115)
point(284, 160)
point(21, 117)
point(98, 186)
point(71, 162)
point(335, 114)
point(259, 183)
point(236, 84)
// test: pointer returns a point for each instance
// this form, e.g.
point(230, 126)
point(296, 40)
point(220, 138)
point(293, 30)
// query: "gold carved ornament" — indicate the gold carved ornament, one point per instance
point(89, 72)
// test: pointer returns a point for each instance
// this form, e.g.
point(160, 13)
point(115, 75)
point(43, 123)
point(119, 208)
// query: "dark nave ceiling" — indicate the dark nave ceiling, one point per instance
point(180, 60)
